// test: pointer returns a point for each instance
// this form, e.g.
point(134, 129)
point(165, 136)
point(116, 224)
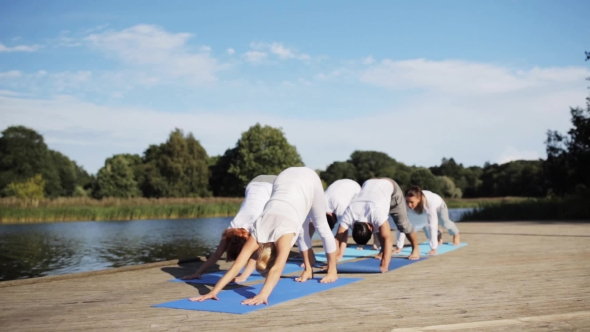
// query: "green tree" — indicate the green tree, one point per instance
point(448, 188)
point(260, 150)
point(338, 170)
point(372, 164)
point(177, 168)
point(426, 180)
point(31, 189)
point(116, 179)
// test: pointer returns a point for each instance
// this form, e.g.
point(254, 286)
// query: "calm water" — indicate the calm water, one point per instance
point(34, 250)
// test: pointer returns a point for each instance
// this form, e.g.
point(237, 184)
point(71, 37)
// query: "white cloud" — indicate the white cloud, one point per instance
point(462, 77)
point(368, 60)
point(511, 154)
point(9, 93)
point(254, 56)
point(281, 51)
point(19, 48)
point(231, 51)
point(10, 74)
point(153, 49)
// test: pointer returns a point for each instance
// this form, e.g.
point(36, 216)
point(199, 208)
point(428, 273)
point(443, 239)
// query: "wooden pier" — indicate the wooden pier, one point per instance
point(512, 276)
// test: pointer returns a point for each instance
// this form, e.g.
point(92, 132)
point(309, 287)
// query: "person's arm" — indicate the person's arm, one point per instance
point(210, 261)
point(250, 267)
point(341, 240)
point(385, 234)
point(249, 248)
point(283, 246)
point(433, 227)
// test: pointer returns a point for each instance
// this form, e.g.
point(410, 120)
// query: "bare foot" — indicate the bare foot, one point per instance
point(440, 242)
point(330, 277)
point(396, 251)
point(379, 256)
point(415, 255)
point(360, 248)
point(432, 252)
point(456, 240)
point(240, 279)
point(375, 247)
point(307, 274)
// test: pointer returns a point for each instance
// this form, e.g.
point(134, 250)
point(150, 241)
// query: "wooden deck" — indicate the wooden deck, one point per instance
point(511, 277)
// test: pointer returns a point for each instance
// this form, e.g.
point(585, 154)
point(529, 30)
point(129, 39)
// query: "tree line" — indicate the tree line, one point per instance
point(181, 167)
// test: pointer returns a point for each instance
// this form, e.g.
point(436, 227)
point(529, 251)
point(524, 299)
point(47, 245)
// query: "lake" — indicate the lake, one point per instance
point(35, 250)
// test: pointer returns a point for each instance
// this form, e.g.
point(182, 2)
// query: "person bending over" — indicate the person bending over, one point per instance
point(424, 202)
point(368, 213)
point(233, 238)
point(297, 195)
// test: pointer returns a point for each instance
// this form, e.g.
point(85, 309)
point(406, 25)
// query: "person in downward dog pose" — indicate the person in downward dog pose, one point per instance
point(296, 196)
point(367, 213)
point(233, 238)
point(436, 211)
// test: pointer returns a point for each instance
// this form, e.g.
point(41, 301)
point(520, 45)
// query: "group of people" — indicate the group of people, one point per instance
point(277, 211)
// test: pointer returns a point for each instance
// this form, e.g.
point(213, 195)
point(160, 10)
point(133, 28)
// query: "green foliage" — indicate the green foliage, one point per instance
point(465, 179)
point(31, 189)
point(374, 164)
point(116, 178)
point(515, 178)
point(260, 150)
point(177, 168)
point(448, 188)
point(338, 170)
point(532, 209)
point(426, 180)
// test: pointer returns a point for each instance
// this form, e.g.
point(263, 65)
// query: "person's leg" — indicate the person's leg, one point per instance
point(399, 243)
point(399, 213)
point(318, 218)
point(445, 222)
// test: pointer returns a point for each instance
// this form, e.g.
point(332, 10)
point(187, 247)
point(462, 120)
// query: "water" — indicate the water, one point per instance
point(35, 250)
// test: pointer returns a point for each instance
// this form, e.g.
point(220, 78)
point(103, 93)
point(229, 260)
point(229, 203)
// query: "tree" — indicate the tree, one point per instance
point(373, 164)
point(31, 189)
point(116, 179)
point(338, 170)
point(448, 188)
point(426, 180)
point(177, 168)
point(260, 150)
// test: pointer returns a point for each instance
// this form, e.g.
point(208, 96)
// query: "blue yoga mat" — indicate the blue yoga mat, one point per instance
point(230, 300)
point(425, 248)
point(371, 265)
point(349, 254)
point(213, 277)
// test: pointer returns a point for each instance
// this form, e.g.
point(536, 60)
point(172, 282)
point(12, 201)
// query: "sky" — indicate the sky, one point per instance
point(419, 80)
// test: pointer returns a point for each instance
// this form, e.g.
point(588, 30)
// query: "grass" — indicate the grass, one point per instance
point(81, 209)
point(457, 203)
point(532, 209)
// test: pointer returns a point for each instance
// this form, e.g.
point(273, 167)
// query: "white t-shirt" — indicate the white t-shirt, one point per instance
point(289, 205)
point(370, 205)
point(339, 195)
point(428, 218)
point(257, 194)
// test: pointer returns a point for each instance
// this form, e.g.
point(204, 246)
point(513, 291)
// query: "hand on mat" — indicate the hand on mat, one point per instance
point(202, 298)
point(191, 277)
point(415, 255)
point(256, 300)
point(432, 252)
point(360, 248)
point(304, 276)
point(330, 277)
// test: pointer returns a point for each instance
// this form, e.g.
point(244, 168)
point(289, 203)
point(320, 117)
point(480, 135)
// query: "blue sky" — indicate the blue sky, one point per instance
point(423, 80)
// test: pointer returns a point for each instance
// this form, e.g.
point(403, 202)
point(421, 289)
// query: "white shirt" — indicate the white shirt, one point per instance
point(289, 205)
point(428, 218)
point(370, 205)
point(339, 195)
point(257, 194)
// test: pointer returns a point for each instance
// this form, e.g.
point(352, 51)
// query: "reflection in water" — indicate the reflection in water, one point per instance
point(35, 250)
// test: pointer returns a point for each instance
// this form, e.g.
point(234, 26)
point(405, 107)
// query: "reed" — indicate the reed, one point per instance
point(83, 209)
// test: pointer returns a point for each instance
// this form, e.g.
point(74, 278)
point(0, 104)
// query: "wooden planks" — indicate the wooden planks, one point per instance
point(509, 271)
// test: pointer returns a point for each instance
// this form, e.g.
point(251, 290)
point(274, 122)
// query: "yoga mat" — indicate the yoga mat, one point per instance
point(349, 254)
point(371, 265)
point(425, 248)
point(213, 277)
point(230, 301)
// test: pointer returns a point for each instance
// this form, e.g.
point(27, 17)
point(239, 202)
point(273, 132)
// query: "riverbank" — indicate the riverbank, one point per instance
point(532, 209)
point(13, 211)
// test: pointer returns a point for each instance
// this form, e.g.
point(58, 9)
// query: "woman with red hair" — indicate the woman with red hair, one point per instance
point(235, 236)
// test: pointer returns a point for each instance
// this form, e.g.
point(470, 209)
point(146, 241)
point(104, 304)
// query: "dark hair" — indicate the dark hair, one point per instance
point(235, 238)
point(415, 191)
point(361, 233)
point(331, 220)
